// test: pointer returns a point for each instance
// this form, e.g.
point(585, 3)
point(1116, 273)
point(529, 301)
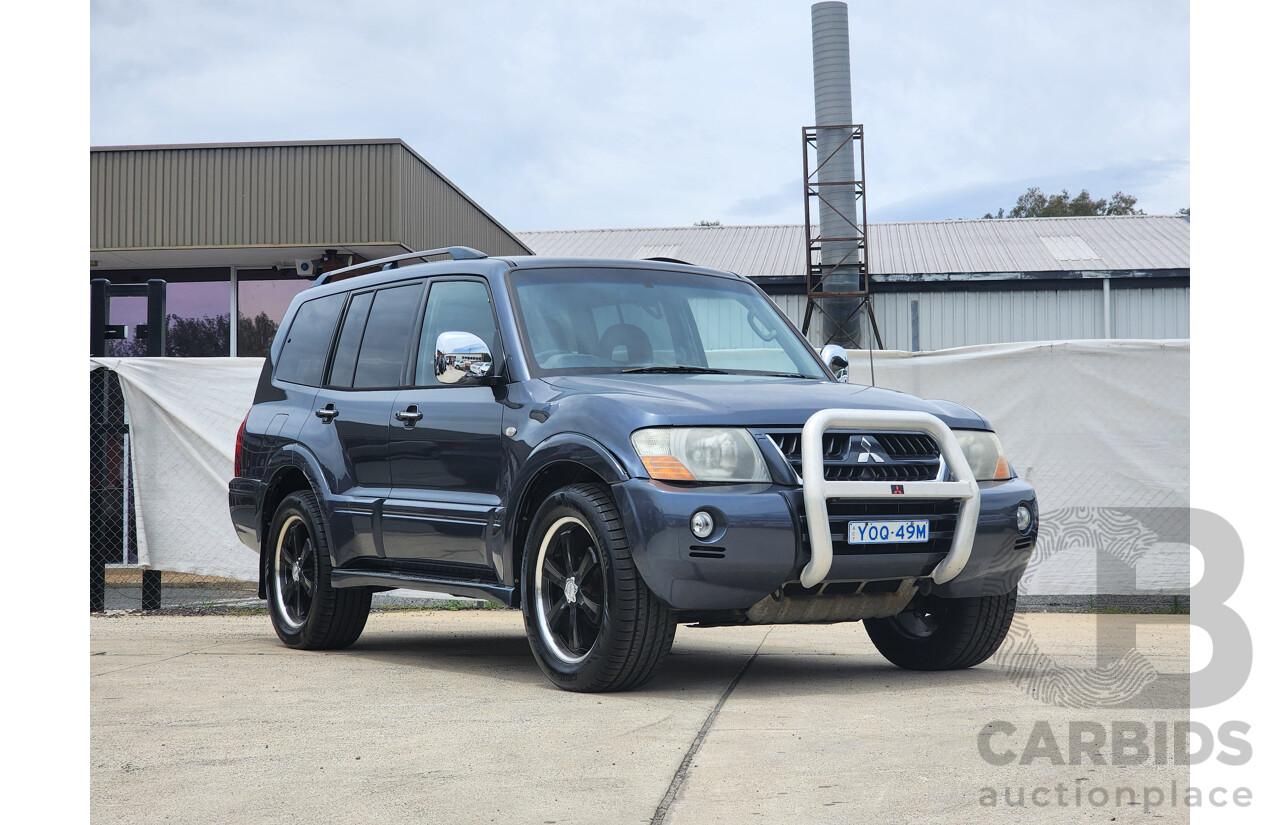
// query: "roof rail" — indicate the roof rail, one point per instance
point(457, 253)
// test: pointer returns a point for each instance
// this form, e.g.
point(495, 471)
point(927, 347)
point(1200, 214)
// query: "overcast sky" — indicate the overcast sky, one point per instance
point(572, 115)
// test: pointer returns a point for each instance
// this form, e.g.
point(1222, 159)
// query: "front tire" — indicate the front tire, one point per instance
point(944, 634)
point(592, 623)
point(306, 610)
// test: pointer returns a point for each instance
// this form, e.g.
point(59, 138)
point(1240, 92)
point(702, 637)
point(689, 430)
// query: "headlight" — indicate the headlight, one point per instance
point(985, 455)
point(700, 454)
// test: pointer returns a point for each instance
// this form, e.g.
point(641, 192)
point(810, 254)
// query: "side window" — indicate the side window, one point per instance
point(344, 357)
point(386, 336)
point(307, 346)
point(453, 306)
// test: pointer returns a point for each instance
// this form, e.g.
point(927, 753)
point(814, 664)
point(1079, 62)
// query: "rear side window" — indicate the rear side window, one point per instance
point(305, 350)
point(344, 358)
point(387, 333)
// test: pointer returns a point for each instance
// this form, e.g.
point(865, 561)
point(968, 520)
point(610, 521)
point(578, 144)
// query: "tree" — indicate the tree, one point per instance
point(254, 335)
point(204, 336)
point(706, 223)
point(1036, 204)
point(196, 337)
point(1122, 204)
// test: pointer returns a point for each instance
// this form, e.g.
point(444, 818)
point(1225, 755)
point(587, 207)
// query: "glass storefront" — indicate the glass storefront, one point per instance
point(263, 301)
point(199, 313)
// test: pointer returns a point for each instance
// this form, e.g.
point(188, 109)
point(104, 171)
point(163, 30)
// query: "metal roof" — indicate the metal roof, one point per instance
point(1008, 245)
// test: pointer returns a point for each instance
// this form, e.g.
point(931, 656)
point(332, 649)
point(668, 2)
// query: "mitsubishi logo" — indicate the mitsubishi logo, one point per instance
point(870, 451)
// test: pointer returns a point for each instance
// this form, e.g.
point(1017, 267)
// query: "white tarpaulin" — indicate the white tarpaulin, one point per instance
point(1101, 428)
point(183, 416)
point(1103, 431)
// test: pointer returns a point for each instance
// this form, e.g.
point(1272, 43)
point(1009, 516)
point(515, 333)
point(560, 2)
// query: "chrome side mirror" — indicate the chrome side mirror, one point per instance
point(461, 357)
point(837, 360)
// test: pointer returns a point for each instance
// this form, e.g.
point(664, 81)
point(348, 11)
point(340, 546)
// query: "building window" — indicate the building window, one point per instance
point(263, 299)
point(197, 305)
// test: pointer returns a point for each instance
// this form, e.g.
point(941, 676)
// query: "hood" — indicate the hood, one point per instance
point(748, 400)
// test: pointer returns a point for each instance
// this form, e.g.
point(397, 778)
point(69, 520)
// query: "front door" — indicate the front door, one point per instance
point(445, 447)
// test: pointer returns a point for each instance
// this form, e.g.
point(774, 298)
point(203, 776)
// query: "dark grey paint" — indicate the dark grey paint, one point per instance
point(439, 505)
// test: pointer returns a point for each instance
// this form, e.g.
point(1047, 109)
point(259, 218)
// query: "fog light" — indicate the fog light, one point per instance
point(702, 524)
point(1024, 518)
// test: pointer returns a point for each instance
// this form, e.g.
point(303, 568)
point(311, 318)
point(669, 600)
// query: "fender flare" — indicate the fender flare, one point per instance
point(293, 457)
point(562, 448)
point(573, 447)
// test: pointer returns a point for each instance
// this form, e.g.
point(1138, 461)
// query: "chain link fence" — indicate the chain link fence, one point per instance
point(116, 581)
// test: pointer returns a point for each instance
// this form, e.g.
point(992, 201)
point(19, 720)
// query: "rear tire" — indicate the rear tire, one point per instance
point(592, 623)
point(944, 634)
point(306, 610)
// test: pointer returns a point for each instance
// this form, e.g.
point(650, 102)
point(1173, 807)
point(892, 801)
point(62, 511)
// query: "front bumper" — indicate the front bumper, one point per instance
point(769, 535)
point(760, 544)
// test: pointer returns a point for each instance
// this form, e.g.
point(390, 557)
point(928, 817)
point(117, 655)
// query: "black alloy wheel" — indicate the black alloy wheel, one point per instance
point(570, 590)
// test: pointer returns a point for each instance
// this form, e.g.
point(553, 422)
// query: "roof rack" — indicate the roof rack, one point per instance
point(457, 253)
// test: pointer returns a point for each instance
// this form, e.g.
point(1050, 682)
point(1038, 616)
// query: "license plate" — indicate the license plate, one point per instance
point(888, 532)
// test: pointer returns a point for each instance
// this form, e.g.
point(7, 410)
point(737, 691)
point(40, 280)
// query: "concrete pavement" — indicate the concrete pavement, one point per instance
point(443, 716)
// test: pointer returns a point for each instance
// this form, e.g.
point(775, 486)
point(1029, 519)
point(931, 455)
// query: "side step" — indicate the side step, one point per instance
point(417, 581)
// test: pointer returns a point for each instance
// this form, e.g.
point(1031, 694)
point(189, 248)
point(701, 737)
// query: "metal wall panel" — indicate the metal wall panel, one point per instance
point(296, 195)
point(961, 319)
point(1151, 313)
point(326, 193)
point(436, 214)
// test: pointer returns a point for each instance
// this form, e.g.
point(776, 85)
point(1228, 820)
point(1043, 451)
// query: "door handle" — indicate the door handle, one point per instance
point(327, 414)
point(410, 416)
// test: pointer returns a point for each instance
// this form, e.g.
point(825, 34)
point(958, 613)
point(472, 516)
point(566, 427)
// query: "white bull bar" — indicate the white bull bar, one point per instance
point(817, 489)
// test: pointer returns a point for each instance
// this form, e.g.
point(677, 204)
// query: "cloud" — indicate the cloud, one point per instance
point(1159, 185)
point(570, 115)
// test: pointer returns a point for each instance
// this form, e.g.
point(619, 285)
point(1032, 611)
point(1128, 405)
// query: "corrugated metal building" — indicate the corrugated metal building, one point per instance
point(940, 284)
point(226, 225)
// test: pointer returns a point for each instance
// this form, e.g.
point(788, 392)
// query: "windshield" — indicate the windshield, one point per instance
point(583, 320)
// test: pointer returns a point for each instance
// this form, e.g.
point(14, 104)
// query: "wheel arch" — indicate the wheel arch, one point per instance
point(286, 479)
point(558, 462)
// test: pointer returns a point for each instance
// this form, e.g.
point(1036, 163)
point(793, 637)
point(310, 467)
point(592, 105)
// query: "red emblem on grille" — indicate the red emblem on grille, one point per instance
point(896, 489)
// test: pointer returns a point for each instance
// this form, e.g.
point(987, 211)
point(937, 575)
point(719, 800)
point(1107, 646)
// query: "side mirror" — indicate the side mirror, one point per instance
point(462, 357)
point(837, 360)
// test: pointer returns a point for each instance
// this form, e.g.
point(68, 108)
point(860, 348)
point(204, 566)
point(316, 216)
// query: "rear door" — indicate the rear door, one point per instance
point(354, 408)
point(446, 465)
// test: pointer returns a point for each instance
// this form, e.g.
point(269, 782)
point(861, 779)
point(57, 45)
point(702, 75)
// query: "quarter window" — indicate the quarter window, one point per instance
point(304, 352)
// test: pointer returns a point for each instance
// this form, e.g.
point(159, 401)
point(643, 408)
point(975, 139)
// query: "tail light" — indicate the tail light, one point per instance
point(239, 465)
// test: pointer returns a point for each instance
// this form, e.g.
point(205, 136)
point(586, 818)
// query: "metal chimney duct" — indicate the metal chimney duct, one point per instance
point(833, 104)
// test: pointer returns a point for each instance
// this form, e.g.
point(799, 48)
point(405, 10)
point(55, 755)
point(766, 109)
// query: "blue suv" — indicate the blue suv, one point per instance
point(614, 447)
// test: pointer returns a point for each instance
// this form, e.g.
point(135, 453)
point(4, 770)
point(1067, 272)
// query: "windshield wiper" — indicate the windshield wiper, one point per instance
point(782, 374)
point(684, 369)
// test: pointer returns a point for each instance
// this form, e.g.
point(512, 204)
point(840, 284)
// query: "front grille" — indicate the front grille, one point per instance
point(868, 456)
point(940, 513)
